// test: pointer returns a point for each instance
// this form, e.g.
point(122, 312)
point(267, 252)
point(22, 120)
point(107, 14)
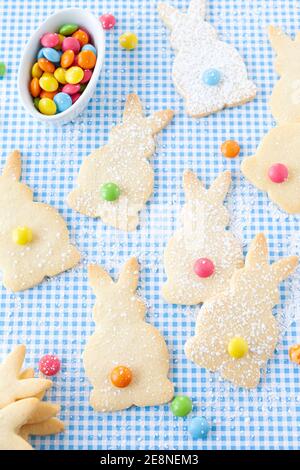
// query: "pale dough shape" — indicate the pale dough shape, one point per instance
point(122, 337)
point(50, 251)
point(244, 310)
point(123, 161)
point(12, 418)
point(203, 235)
point(12, 387)
point(198, 49)
point(280, 145)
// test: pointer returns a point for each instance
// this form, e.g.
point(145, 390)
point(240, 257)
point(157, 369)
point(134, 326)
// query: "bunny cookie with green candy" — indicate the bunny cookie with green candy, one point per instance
point(122, 339)
point(203, 238)
point(208, 73)
point(34, 239)
point(116, 180)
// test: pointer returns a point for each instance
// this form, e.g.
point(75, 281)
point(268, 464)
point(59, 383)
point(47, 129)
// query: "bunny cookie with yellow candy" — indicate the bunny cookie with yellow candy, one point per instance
point(236, 332)
point(116, 180)
point(202, 255)
point(34, 239)
point(126, 359)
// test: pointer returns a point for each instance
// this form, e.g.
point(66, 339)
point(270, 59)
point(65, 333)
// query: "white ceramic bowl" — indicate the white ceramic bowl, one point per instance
point(70, 15)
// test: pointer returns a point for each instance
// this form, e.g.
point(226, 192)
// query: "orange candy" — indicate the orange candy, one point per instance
point(67, 59)
point(81, 36)
point(230, 149)
point(46, 66)
point(121, 376)
point(87, 59)
point(48, 94)
point(34, 87)
point(294, 354)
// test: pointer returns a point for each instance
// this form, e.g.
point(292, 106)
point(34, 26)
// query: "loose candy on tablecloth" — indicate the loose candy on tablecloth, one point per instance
point(45, 65)
point(181, 406)
point(47, 106)
point(128, 40)
point(74, 75)
point(36, 71)
point(87, 59)
point(71, 89)
point(71, 44)
point(230, 149)
point(89, 47)
point(87, 74)
point(63, 101)
point(48, 82)
point(294, 353)
point(49, 365)
point(51, 54)
point(2, 69)
point(50, 40)
point(199, 428)
point(60, 75)
point(68, 29)
point(81, 36)
point(67, 59)
point(35, 88)
point(107, 20)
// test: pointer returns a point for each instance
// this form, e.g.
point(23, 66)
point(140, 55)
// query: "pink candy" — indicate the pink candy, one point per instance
point(204, 267)
point(50, 40)
point(71, 89)
point(87, 76)
point(278, 173)
point(108, 21)
point(49, 365)
point(75, 97)
point(72, 44)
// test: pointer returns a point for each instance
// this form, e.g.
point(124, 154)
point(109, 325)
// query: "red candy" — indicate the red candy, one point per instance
point(278, 173)
point(75, 97)
point(71, 44)
point(50, 40)
point(204, 267)
point(49, 365)
point(71, 89)
point(87, 76)
point(108, 21)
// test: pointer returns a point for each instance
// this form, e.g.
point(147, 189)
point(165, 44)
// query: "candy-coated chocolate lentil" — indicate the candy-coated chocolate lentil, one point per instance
point(71, 89)
point(48, 82)
point(237, 347)
point(40, 54)
point(121, 376)
point(204, 267)
point(61, 37)
point(50, 40)
point(230, 148)
point(22, 235)
point(75, 97)
point(62, 101)
point(107, 20)
point(47, 106)
point(48, 94)
point(68, 29)
point(87, 59)
point(36, 71)
point(294, 353)
point(211, 77)
point(278, 173)
point(128, 40)
point(71, 44)
point(36, 103)
point(181, 406)
point(86, 76)
point(2, 69)
point(74, 75)
point(49, 365)
point(45, 65)
point(110, 192)
point(51, 54)
point(67, 59)
point(89, 47)
point(83, 87)
point(199, 428)
point(35, 88)
point(81, 36)
point(60, 75)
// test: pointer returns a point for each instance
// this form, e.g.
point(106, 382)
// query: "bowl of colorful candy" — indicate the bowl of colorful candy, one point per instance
point(61, 65)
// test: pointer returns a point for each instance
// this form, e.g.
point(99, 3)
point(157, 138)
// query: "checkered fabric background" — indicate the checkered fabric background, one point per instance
point(56, 316)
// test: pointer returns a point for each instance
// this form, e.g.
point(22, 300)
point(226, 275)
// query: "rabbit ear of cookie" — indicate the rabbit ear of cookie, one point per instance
point(160, 120)
point(258, 251)
point(99, 279)
point(14, 360)
point(129, 275)
point(279, 40)
point(192, 186)
point(220, 186)
point(12, 167)
point(284, 267)
point(44, 428)
point(133, 107)
point(197, 8)
point(168, 14)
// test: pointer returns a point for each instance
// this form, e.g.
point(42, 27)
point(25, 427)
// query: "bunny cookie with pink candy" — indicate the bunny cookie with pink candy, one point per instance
point(208, 73)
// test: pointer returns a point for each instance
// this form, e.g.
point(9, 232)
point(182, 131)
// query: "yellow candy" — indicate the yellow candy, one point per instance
point(128, 40)
point(237, 347)
point(74, 75)
point(36, 72)
point(60, 75)
point(47, 106)
point(48, 82)
point(22, 235)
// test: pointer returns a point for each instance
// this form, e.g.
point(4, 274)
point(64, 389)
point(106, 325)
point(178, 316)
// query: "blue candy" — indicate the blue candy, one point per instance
point(211, 77)
point(40, 54)
point(89, 47)
point(51, 54)
point(62, 101)
point(199, 427)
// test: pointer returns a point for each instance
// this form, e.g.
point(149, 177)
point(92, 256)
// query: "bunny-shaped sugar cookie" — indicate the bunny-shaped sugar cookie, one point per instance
point(202, 255)
point(126, 359)
point(116, 180)
point(208, 73)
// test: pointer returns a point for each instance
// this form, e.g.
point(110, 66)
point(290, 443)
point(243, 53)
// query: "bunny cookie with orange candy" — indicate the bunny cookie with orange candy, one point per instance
point(236, 332)
point(34, 240)
point(209, 73)
point(275, 168)
point(126, 359)
point(202, 255)
point(116, 180)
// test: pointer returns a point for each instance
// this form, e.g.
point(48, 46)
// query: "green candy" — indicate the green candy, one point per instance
point(110, 192)
point(36, 102)
point(2, 69)
point(68, 29)
point(83, 87)
point(181, 406)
